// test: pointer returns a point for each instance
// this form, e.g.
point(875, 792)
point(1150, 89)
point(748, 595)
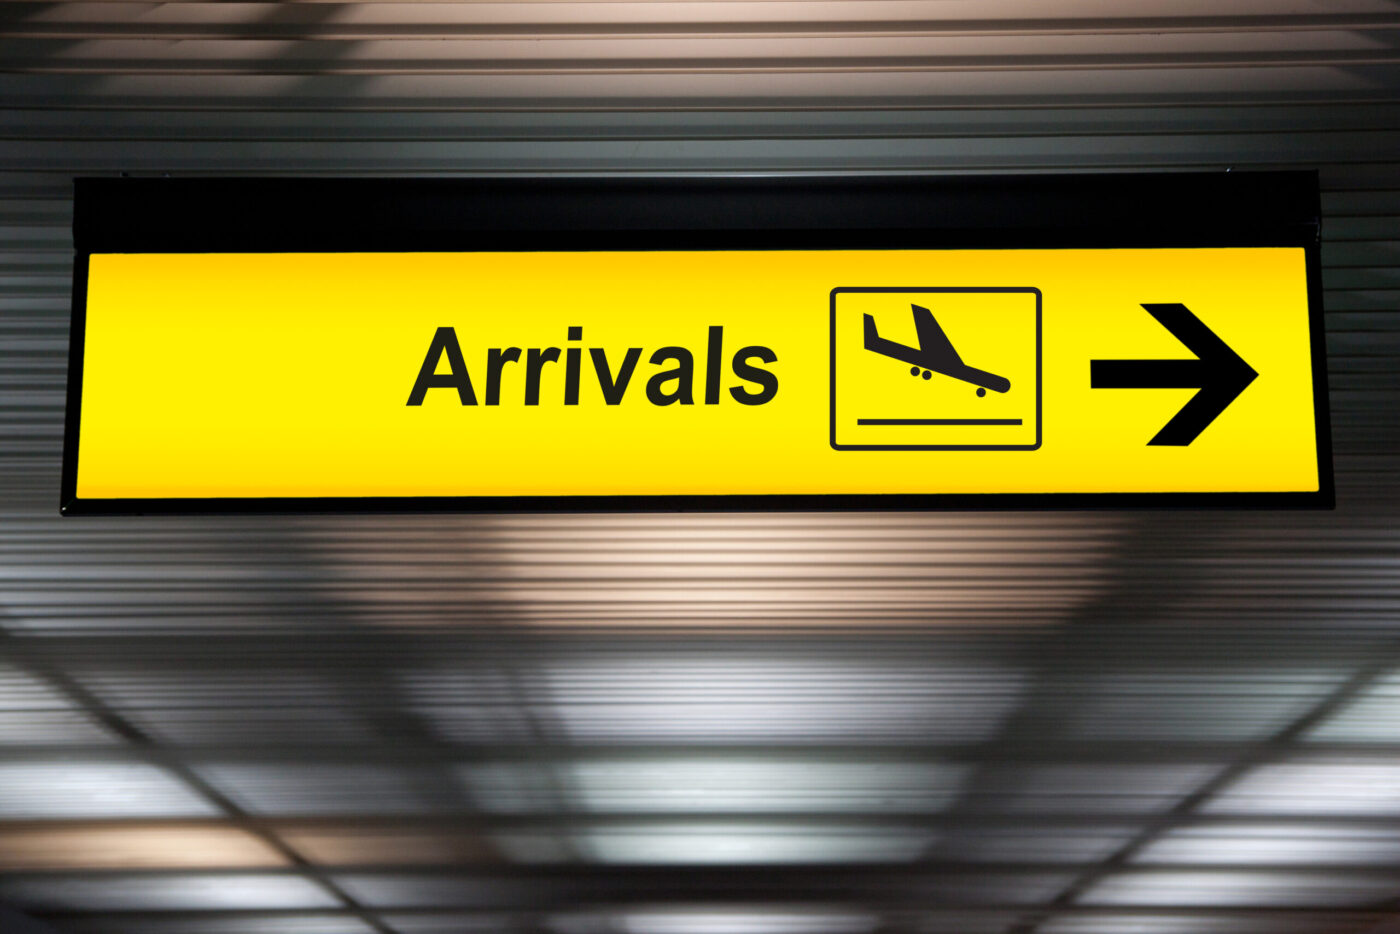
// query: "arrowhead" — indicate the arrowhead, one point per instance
point(1224, 374)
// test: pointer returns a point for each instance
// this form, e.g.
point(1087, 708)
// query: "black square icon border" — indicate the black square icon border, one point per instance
point(831, 408)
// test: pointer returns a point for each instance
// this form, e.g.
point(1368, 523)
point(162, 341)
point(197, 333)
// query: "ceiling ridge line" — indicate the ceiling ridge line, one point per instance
point(13, 647)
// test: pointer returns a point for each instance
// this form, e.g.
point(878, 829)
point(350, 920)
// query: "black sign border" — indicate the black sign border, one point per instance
point(963, 290)
point(1127, 210)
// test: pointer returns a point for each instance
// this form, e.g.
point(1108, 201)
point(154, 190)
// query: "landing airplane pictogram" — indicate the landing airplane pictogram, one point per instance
point(935, 353)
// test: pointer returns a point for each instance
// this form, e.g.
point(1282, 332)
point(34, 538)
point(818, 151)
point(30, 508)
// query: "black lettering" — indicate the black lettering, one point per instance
point(535, 359)
point(571, 363)
point(613, 390)
point(659, 389)
point(682, 376)
point(444, 342)
point(713, 353)
point(496, 359)
point(753, 374)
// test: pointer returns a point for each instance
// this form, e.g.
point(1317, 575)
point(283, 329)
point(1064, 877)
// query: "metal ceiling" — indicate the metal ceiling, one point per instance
point(1059, 723)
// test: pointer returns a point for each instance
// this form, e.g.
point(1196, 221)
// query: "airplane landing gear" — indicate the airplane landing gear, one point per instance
point(928, 374)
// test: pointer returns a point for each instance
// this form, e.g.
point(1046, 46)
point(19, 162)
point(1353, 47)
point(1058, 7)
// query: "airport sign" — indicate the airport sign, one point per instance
point(401, 359)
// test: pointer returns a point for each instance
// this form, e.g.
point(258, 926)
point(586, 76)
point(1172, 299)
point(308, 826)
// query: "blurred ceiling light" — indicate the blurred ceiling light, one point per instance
point(76, 789)
point(1275, 845)
point(718, 696)
point(751, 843)
point(688, 783)
point(165, 892)
point(242, 923)
point(1218, 889)
point(761, 784)
point(133, 847)
point(1315, 786)
point(748, 922)
point(775, 783)
point(717, 920)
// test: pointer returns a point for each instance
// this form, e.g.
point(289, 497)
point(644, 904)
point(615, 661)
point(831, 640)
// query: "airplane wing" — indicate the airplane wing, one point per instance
point(933, 343)
point(888, 348)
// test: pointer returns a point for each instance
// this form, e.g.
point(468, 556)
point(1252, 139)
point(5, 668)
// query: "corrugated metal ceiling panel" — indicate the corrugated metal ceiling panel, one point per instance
point(1062, 723)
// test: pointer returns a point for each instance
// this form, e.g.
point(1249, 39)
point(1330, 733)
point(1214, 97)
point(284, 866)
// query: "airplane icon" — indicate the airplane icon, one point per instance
point(935, 353)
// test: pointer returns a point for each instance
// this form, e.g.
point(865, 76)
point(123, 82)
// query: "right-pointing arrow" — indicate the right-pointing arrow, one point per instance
point(1218, 372)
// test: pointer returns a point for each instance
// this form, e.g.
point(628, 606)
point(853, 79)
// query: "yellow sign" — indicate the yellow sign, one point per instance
point(679, 373)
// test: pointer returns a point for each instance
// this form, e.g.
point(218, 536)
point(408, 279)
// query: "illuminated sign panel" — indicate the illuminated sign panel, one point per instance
point(690, 367)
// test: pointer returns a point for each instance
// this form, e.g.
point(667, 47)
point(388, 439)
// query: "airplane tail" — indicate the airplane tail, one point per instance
point(872, 336)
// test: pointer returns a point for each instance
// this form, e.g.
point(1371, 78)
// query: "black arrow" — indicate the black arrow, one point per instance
point(1218, 372)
